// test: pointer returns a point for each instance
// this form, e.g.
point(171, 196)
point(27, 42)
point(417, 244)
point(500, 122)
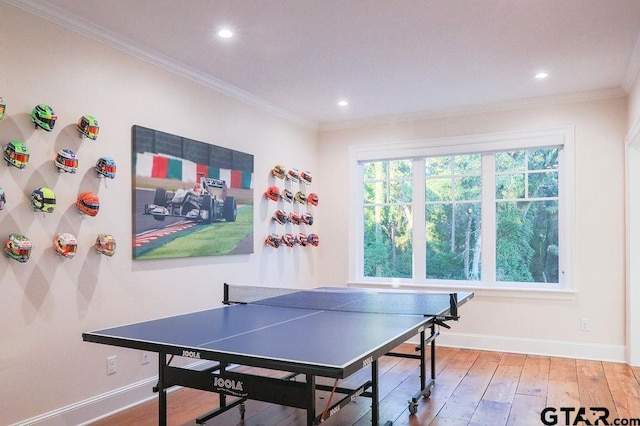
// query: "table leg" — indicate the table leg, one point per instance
point(162, 392)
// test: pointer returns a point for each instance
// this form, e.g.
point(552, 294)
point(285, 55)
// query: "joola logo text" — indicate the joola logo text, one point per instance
point(229, 386)
point(191, 354)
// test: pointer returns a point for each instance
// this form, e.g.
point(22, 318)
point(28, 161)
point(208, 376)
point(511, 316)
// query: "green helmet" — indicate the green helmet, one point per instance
point(18, 247)
point(16, 153)
point(88, 126)
point(43, 116)
point(43, 199)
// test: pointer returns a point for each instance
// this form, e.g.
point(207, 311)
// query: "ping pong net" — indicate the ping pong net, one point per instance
point(394, 302)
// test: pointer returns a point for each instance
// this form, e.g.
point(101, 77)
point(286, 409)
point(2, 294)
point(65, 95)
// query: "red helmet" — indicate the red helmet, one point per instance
point(301, 239)
point(294, 218)
point(288, 240)
point(313, 199)
point(88, 203)
point(273, 193)
point(305, 177)
point(273, 240)
point(293, 175)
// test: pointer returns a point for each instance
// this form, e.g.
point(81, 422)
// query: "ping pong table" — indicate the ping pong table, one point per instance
point(330, 332)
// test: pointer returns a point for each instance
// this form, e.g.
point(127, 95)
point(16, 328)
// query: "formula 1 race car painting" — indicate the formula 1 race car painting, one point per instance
point(206, 202)
point(190, 198)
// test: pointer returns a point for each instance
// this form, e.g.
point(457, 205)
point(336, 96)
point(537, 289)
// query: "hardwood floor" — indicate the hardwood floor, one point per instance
point(472, 388)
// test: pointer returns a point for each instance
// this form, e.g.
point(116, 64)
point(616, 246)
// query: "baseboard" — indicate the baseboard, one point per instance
point(101, 406)
point(563, 349)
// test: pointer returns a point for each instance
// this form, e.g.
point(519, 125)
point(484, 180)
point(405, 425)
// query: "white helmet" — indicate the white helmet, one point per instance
point(66, 161)
point(65, 244)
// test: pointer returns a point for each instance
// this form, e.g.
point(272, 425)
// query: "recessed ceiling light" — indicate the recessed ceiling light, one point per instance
point(542, 75)
point(225, 33)
point(343, 103)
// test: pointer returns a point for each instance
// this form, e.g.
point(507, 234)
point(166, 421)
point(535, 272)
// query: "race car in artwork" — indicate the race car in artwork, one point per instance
point(207, 202)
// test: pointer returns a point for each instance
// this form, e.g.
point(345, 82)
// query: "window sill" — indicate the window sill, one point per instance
point(478, 290)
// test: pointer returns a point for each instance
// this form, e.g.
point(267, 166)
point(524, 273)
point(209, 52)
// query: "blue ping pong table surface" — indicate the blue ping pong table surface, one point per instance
point(331, 332)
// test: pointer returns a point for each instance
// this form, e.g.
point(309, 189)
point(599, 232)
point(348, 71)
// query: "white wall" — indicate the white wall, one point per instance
point(48, 302)
point(633, 225)
point(521, 322)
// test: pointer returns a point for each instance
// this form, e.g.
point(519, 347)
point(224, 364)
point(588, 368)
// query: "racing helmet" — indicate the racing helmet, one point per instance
point(306, 177)
point(278, 171)
point(3, 198)
point(273, 193)
point(301, 239)
point(288, 240)
point(301, 197)
point(106, 166)
point(16, 153)
point(3, 107)
point(88, 203)
point(18, 247)
point(281, 217)
point(66, 161)
point(106, 244)
point(313, 199)
point(65, 245)
point(307, 218)
point(313, 239)
point(294, 218)
point(273, 240)
point(293, 175)
point(43, 199)
point(44, 117)
point(88, 126)
point(287, 195)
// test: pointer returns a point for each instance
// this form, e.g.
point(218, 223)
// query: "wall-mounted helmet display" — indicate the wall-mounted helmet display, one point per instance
point(3, 198)
point(272, 193)
point(43, 199)
point(18, 247)
point(65, 244)
point(44, 117)
point(66, 161)
point(3, 107)
point(88, 203)
point(278, 171)
point(88, 127)
point(106, 244)
point(16, 154)
point(106, 166)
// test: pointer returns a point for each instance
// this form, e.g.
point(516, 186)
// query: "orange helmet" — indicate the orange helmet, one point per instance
point(88, 203)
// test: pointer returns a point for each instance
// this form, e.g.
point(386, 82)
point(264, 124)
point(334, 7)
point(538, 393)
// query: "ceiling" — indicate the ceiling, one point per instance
point(397, 58)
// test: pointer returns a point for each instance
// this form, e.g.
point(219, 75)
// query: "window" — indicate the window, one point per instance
point(485, 211)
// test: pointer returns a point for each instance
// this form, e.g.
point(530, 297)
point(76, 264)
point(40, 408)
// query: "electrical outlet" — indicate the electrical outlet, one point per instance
point(112, 364)
point(584, 324)
point(144, 358)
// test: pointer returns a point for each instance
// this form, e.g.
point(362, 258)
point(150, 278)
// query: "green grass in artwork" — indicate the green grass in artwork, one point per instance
point(217, 239)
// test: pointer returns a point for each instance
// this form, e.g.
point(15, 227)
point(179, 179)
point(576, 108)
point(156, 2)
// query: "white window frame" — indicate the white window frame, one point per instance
point(485, 144)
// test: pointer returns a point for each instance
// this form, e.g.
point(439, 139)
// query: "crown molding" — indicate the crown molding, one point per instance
point(72, 22)
point(477, 109)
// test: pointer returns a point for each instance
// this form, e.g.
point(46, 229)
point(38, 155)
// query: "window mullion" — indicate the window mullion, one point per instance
point(488, 219)
point(419, 221)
